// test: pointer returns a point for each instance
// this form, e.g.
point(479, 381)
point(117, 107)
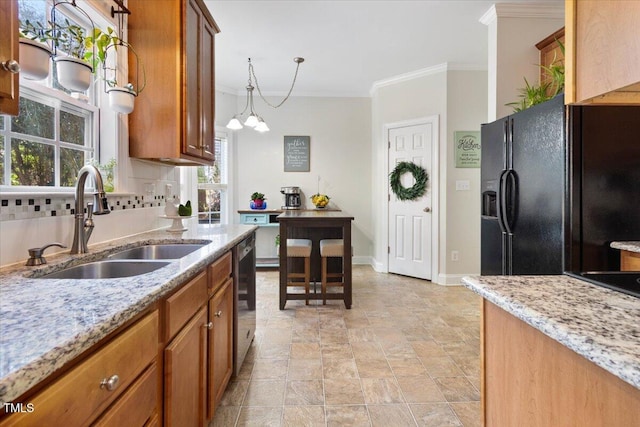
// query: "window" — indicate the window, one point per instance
point(212, 186)
point(47, 143)
point(56, 131)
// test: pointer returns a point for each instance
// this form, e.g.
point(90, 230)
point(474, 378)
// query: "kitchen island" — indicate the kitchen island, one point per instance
point(629, 255)
point(316, 225)
point(45, 324)
point(558, 351)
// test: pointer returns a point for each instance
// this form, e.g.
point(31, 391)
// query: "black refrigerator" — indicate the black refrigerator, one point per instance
point(523, 191)
point(559, 184)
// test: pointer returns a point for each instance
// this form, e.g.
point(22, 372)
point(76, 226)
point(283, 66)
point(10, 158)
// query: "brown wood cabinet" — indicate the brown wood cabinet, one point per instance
point(82, 394)
point(172, 366)
point(220, 345)
point(185, 374)
point(9, 82)
point(629, 261)
point(529, 379)
point(173, 120)
point(602, 52)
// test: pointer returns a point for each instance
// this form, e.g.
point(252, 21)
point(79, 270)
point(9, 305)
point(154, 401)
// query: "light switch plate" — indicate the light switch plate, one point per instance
point(463, 185)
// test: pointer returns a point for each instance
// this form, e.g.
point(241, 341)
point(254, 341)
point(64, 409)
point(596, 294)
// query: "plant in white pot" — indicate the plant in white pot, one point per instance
point(74, 70)
point(34, 52)
point(121, 98)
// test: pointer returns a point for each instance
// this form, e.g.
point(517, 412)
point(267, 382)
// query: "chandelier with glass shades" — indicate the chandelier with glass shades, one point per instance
point(254, 120)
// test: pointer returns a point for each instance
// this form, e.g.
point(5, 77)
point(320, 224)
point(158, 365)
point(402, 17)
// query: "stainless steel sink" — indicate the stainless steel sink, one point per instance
point(107, 270)
point(168, 251)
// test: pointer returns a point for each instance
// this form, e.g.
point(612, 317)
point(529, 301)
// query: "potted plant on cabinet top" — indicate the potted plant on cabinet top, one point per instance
point(34, 52)
point(258, 201)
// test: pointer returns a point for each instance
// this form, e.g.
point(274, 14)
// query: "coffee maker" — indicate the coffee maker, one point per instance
point(291, 197)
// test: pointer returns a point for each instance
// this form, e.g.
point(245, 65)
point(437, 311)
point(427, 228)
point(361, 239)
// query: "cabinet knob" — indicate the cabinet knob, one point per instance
point(427, 209)
point(11, 66)
point(110, 383)
point(209, 325)
point(218, 313)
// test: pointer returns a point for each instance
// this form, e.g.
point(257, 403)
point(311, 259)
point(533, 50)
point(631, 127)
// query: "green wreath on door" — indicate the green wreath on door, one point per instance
point(419, 175)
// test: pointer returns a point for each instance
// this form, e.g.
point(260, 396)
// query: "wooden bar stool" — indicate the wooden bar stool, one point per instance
point(333, 248)
point(300, 248)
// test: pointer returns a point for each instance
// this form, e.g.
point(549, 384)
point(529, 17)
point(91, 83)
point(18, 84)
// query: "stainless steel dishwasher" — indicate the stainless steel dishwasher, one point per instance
point(244, 296)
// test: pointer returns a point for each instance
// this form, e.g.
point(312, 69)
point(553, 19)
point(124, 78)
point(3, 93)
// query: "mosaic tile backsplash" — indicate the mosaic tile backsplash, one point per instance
point(13, 207)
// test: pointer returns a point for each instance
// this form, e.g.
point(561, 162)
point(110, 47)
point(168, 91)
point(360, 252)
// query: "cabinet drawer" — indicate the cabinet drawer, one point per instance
point(137, 406)
point(219, 272)
point(78, 397)
point(182, 305)
point(254, 218)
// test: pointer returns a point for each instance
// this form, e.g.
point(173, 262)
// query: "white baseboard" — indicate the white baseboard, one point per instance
point(363, 260)
point(450, 279)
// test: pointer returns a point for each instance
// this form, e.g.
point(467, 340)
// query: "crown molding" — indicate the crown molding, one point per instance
point(545, 10)
point(444, 67)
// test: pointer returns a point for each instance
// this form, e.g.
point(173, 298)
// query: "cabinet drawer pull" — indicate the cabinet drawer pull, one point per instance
point(209, 325)
point(110, 383)
point(11, 66)
point(218, 313)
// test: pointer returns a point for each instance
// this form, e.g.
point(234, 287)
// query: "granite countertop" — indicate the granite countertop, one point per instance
point(627, 246)
point(601, 325)
point(45, 323)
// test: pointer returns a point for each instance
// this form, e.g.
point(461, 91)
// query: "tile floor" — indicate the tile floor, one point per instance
point(406, 354)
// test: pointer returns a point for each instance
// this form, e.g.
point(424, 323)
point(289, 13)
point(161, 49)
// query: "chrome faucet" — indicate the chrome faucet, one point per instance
point(84, 227)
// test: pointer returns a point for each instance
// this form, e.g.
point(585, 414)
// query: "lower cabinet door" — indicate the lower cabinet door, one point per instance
point(220, 344)
point(185, 374)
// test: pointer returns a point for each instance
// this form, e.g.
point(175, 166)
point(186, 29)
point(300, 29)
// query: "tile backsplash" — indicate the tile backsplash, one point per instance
point(33, 220)
point(21, 206)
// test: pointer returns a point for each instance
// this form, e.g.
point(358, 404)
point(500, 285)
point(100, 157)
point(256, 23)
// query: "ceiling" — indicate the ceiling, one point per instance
point(347, 45)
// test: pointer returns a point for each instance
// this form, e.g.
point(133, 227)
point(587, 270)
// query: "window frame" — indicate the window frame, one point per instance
point(92, 100)
point(59, 101)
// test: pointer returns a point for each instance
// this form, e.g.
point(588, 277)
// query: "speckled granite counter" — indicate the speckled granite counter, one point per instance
point(627, 246)
point(45, 323)
point(599, 324)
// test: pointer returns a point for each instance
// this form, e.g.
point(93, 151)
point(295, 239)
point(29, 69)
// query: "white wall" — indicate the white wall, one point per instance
point(459, 98)
point(466, 110)
point(513, 31)
point(340, 131)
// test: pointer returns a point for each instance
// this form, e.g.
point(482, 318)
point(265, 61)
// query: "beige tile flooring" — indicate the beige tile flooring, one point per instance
point(406, 354)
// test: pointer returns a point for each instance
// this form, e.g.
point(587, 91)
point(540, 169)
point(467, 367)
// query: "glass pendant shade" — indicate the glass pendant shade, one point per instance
point(234, 124)
point(261, 126)
point(252, 121)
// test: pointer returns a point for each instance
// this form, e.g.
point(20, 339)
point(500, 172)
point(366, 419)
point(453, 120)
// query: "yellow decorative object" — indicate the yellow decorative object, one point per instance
point(320, 200)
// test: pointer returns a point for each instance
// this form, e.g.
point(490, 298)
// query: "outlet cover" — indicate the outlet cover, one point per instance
point(463, 185)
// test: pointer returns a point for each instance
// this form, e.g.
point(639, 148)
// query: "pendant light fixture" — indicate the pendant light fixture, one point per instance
point(253, 120)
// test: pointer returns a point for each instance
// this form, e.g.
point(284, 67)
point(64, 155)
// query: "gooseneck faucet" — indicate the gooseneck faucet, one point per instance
point(83, 227)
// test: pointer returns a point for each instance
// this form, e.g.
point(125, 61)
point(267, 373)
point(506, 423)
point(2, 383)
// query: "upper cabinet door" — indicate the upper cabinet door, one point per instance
point(9, 83)
point(173, 120)
point(602, 52)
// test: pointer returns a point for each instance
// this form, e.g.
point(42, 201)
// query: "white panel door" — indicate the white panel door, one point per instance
point(410, 220)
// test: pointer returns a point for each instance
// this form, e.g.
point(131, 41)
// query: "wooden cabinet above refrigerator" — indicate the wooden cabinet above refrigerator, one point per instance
point(173, 120)
point(602, 52)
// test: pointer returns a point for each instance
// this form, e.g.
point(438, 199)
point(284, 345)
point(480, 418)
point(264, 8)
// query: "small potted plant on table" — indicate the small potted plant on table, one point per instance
point(258, 201)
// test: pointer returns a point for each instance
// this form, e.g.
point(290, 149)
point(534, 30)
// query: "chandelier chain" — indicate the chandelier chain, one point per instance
point(253, 73)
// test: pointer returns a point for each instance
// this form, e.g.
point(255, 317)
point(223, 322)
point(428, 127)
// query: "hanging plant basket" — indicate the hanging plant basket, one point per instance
point(73, 73)
point(121, 99)
point(419, 175)
point(34, 59)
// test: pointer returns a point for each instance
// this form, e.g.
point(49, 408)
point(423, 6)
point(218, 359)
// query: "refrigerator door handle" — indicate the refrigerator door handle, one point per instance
point(501, 201)
point(508, 201)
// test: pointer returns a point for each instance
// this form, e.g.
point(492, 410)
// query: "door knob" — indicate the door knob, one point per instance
point(427, 209)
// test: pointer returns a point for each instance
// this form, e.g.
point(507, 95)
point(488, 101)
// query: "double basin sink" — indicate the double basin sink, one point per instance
point(128, 262)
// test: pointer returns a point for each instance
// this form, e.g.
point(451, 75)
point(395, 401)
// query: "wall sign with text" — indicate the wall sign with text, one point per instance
point(296, 153)
point(467, 149)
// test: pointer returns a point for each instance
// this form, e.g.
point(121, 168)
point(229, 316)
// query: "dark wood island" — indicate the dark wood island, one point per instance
point(316, 225)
